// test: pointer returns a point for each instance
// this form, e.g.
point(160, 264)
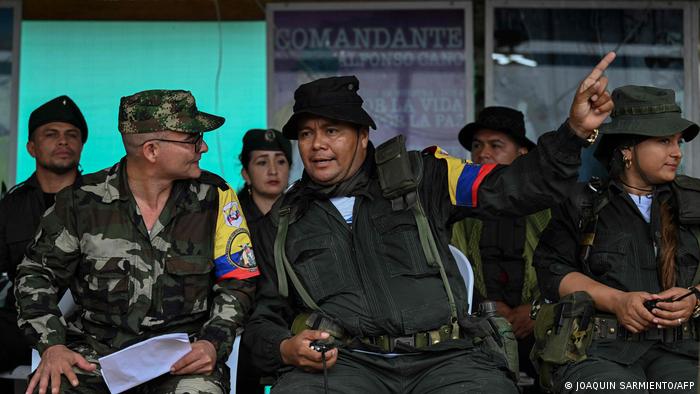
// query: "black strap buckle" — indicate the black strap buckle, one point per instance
point(403, 342)
point(403, 202)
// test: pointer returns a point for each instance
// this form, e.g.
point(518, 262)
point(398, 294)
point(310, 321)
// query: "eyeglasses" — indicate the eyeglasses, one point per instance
point(197, 142)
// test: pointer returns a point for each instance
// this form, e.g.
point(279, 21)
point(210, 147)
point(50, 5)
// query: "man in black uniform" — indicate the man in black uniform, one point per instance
point(350, 250)
point(57, 133)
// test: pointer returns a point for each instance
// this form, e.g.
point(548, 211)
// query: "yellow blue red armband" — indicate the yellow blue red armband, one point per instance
point(233, 251)
point(464, 177)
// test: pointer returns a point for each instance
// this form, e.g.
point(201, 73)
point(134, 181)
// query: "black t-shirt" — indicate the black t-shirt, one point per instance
point(49, 199)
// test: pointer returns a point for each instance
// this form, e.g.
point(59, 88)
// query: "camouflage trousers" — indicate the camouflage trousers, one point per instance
point(92, 383)
point(166, 384)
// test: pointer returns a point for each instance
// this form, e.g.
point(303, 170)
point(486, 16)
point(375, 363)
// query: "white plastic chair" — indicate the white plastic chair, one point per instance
point(465, 268)
point(232, 362)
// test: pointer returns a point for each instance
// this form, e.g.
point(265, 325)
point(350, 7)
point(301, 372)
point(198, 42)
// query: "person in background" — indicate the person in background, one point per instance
point(265, 157)
point(57, 134)
point(500, 248)
point(634, 241)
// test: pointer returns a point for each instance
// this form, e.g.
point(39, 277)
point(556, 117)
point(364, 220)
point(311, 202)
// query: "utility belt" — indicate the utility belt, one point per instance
point(384, 343)
point(419, 340)
point(607, 327)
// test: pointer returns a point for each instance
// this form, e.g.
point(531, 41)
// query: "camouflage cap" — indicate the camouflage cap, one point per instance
point(159, 110)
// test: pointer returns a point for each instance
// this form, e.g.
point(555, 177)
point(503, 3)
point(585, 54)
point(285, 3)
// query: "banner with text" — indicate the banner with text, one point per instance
point(412, 64)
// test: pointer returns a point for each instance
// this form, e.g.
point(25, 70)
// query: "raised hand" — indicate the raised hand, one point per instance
point(592, 102)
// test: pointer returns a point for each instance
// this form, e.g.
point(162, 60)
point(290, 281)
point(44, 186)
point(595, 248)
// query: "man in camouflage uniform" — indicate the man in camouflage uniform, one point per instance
point(153, 245)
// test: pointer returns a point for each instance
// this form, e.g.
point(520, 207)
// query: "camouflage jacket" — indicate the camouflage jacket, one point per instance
point(193, 273)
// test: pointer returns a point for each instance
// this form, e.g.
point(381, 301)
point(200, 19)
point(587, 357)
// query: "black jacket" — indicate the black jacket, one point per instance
point(372, 277)
point(20, 213)
point(623, 255)
point(253, 215)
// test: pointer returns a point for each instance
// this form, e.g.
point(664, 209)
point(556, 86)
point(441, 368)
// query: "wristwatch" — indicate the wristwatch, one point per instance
point(696, 311)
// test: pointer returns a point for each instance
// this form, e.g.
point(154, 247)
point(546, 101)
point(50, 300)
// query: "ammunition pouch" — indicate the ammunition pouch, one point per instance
point(496, 334)
point(563, 333)
point(396, 175)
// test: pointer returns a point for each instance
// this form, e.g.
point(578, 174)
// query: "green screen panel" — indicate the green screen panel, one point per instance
point(96, 63)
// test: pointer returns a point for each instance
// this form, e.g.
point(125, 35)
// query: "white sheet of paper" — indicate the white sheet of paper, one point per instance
point(143, 361)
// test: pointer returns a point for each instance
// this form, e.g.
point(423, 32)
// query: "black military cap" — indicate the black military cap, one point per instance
point(333, 98)
point(503, 119)
point(261, 139)
point(60, 109)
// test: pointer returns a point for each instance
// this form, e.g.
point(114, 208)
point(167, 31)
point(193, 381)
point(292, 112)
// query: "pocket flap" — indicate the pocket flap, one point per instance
point(188, 265)
point(109, 267)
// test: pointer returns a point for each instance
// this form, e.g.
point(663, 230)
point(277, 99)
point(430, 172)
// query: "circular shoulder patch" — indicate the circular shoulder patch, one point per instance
point(232, 214)
point(239, 252)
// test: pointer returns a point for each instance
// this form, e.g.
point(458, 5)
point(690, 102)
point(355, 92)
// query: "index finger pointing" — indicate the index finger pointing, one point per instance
point(598, 71)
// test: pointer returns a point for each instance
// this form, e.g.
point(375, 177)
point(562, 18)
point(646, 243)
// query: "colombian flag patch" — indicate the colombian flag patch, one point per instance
point(234, 258)
point(464, 177)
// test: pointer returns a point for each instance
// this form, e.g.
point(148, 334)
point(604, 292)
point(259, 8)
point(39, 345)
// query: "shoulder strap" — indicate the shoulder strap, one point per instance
point(400, 173)
point(590, 201)
point(534, 226)
point(282, 265)
point(433, 255)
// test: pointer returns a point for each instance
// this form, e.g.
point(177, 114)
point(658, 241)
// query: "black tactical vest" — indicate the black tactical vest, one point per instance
point(372, 277)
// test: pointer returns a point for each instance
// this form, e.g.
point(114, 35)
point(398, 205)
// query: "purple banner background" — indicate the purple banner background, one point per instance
point(410, 63)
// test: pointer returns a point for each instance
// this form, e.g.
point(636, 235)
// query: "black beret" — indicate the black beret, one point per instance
point(60, 109)
point(261, 139)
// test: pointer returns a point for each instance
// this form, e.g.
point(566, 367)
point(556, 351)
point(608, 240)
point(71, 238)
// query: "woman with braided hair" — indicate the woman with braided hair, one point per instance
point(635, 253)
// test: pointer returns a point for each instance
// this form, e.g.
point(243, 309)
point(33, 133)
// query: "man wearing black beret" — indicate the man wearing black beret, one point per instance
point(358, 281)
point(57, 133)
